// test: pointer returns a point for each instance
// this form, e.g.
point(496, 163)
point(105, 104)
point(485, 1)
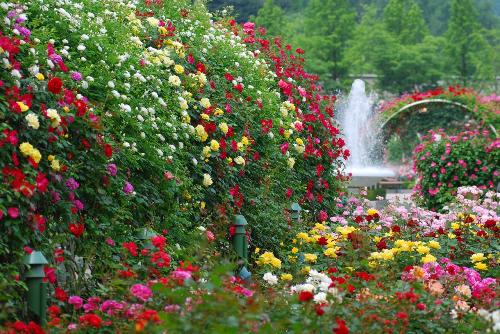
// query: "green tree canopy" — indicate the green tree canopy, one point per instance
point(328, 26)
point(469, 53)
point(271, 16)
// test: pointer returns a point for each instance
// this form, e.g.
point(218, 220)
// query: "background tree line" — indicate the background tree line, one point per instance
point(408, 44)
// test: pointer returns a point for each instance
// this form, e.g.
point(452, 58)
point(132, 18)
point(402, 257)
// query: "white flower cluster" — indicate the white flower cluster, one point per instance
point(319, 284)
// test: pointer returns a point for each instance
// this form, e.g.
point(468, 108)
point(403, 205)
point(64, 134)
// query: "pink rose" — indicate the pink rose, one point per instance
point(141, 292)
point(13, 212)
point(76, 301)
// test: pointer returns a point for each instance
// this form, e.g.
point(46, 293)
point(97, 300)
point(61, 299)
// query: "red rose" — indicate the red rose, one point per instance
point(108, 150)
point(77, 229)
point(305, 296)
point(341, 327)
point(55, 85)
point(60, 294)
point(381, 244)
point(91, 320)
point(81, 108)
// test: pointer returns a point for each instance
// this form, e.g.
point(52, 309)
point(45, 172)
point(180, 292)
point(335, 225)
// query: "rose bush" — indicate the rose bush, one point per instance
point(444, 162)
point(167, 120)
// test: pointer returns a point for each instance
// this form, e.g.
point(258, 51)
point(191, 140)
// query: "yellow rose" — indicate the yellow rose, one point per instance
point(206, 152)
point(218, 112)
point(202, 134)
point(244, 140)
point(480, 266)
point(40, 76)
point(36, 155)
point(207, 180)
point(275, 262)
point(308, 257)
point(214, 145)
point(286, 277)
point(205, 103)
point(331, 252)
point(295, 250)
point(372, 212)
point(26, 148)
point(22, 106)
point(239, 160)
point(54, 164)
point(477, 257)
point(205, 116)
point(428, 258)
point(434, 244)
point(178, 69)
point(224, 128)
point(423, 249)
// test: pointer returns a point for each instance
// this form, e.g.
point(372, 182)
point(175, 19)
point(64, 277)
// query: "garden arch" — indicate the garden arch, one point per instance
point(401, 130)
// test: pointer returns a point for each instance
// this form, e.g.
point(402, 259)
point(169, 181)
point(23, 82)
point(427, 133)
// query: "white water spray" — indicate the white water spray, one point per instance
point(360, 134)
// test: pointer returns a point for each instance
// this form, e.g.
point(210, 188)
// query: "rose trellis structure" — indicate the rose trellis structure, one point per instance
point(406, 119)
point(477, 107)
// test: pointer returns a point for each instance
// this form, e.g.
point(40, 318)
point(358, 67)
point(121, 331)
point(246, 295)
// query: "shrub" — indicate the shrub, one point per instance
point(117, 116)
point(445, 162)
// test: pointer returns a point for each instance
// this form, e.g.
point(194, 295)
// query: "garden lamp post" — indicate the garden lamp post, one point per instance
point(296, 211)
point(37, 288)
point(240, 244)
point(145, 234)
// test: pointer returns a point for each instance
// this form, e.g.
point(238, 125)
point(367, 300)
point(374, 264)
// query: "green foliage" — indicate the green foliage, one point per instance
point(271, 17)
point(470, 54)
point(414, 57)
point(327, 28)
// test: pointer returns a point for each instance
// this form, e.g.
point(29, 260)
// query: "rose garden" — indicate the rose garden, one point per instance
point(167, 169)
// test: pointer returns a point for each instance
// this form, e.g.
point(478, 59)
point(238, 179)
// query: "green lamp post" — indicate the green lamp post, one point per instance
point(240, 244)
point(37, 288)
point(145, 234)
point(296, 211)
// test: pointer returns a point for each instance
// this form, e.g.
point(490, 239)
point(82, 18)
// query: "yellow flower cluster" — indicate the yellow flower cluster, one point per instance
point(201, 133)
point(308, 257)
point(477, 259)
point(269, 258)
point(408, 246)
point(54, 163)
point(345, 230)
point(29, 151)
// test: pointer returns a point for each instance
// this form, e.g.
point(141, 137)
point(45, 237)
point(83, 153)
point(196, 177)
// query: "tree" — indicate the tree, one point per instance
point(243, 8)
point(358, 57)
point(405, 19)
point(271, 17)
point(328, 26)
point(467, 48)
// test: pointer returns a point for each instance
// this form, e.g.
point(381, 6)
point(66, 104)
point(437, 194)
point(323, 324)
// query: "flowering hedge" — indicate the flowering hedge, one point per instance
point(167, 119)
point(445, 162)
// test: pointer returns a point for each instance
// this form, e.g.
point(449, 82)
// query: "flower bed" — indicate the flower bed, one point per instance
point(399, 270)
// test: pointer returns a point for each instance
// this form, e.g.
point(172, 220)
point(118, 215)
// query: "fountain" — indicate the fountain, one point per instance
point(361, 138)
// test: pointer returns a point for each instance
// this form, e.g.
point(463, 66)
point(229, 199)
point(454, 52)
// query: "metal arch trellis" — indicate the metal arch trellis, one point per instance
point(424, 102)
